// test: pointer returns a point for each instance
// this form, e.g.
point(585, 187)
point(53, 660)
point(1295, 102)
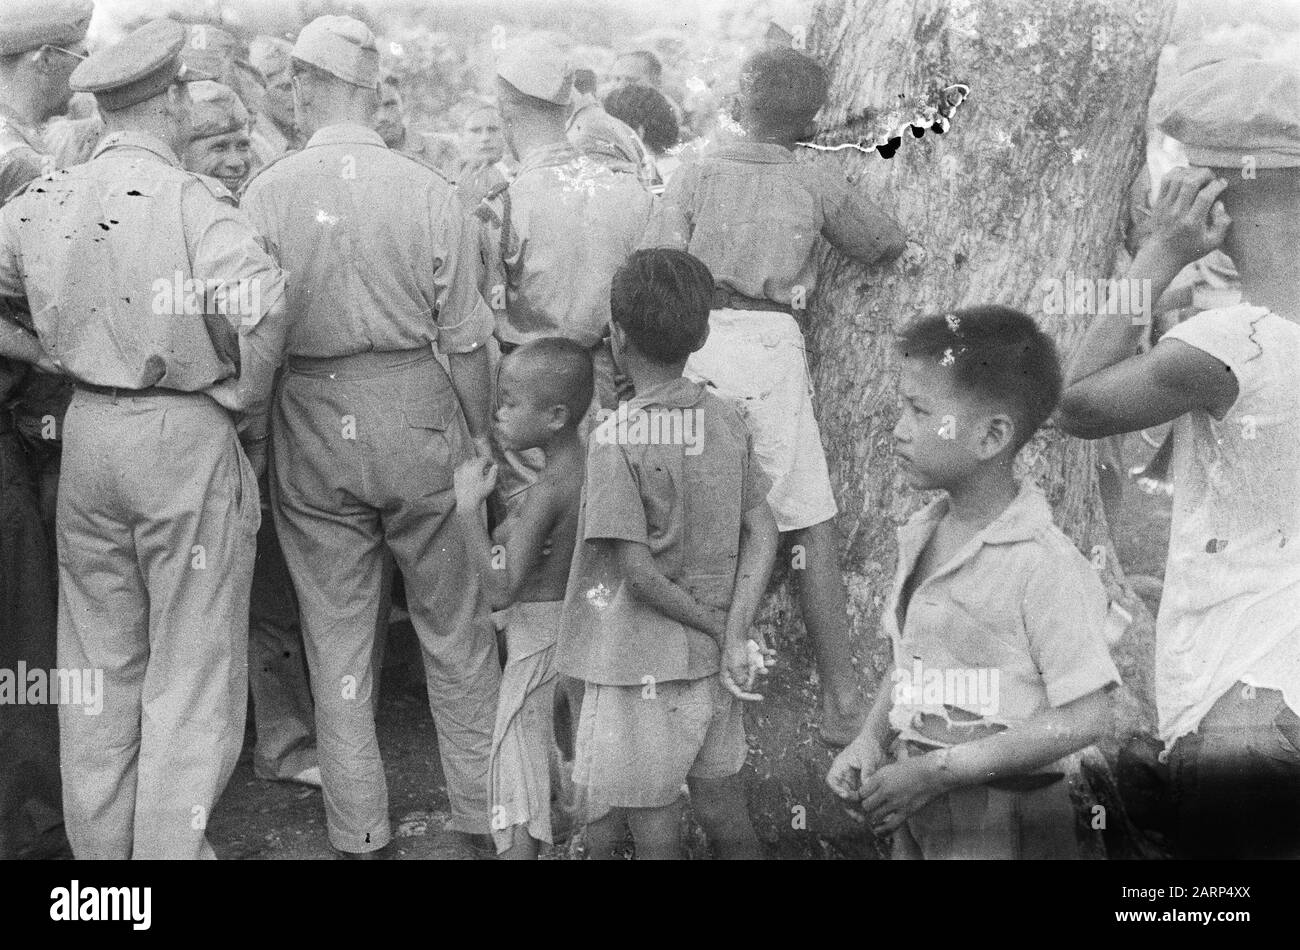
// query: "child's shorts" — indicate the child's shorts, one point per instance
point(978, 822)
point(636, 747)
point(756, 358)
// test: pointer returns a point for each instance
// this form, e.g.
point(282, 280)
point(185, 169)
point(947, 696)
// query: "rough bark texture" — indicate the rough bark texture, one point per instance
point(1027, 185)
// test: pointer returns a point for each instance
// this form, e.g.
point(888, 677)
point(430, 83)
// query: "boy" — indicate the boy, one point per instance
point(544, 390)
point(676, 545)
point(752, 215)
point(996, 619)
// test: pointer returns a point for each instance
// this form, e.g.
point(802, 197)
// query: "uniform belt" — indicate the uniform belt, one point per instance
point(122, 392)
point(370, 361)
point(508, 347)
point(724, 299)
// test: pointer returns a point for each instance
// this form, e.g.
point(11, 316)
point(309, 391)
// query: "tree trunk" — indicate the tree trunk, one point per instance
point(1026, 185)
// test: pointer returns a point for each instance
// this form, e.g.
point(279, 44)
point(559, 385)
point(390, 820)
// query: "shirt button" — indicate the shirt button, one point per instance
point(1248, 693)
point(1163, 757)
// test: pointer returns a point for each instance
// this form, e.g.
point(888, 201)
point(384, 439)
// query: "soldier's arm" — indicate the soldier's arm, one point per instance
point(248, 285)
point(16, 343)
point(464, 320)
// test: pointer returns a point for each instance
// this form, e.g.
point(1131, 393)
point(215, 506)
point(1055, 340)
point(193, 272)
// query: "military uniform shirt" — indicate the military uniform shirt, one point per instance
point(122, 260)
point(552, 241)
point(376, 245)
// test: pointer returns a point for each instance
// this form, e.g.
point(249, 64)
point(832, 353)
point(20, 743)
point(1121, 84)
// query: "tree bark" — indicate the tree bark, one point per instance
point(1027, 185)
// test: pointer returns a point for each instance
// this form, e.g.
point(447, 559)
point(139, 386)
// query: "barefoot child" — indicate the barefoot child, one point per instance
point(676, 545)
point(753, 215)
point(1001, 668)
point(545, 388)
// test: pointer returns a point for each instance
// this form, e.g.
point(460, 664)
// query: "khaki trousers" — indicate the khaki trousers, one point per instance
point(157, 520)
point(363, 451)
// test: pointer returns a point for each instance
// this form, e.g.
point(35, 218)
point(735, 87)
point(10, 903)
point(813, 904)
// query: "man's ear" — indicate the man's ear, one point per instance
point(559, 417)
point(999, 434)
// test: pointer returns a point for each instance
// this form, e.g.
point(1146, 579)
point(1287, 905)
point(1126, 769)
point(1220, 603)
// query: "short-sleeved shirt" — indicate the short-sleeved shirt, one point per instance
point(672, 469)
point(31, 397)
point(1012, 624)
point(21, 148)
point(1230, 610)
point(552, 241)
point(132, 268)
point(378, 250)
point(752, 213)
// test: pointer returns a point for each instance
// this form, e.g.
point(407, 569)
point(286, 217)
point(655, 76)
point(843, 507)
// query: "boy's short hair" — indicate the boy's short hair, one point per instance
point(646, 108)
point(783, 88)
point(661, 297)
point(996, 353)
point(559, 372)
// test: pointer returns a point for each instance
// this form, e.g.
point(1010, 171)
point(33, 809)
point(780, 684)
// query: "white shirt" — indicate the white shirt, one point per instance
point(1231, 605)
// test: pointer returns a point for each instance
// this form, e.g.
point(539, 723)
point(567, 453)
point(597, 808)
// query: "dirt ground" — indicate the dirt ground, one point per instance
point(258, 819)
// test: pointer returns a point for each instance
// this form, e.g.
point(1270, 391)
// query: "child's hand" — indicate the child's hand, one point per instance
point(896, 791)
point(856, 762)
point(474, 479)
point(738, 670)
point(1188, 220)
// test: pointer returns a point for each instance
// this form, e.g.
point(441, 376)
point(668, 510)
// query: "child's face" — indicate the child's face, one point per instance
point(942, 435)
point(520, 422)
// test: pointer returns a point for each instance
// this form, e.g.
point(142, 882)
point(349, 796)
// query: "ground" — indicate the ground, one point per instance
point(271, 820)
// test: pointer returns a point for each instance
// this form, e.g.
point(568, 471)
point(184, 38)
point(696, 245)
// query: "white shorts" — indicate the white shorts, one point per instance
point(757, 359)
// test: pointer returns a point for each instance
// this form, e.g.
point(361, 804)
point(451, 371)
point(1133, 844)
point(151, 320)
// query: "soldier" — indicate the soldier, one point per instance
point(274, 132)
point(368, 429)
point(41, 42)
point(552, 239)
point(438, 151)
point(152, 292)
point(282, 710)
point(484, 146)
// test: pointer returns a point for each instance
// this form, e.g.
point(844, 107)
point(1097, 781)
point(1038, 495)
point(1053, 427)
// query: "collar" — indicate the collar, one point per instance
point(1027, 514)
point(140, 140)
point(679, 393)
point(12, 121)
point(759, 153)
point(557, 153)
point(345, 133)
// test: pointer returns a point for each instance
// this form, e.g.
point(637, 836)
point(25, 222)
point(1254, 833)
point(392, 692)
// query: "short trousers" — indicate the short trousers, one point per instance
point(756, 358)
point(977, 822)
point(637, 744)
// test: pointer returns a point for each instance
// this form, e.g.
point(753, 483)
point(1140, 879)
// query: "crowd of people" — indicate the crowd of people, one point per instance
point(276, 365)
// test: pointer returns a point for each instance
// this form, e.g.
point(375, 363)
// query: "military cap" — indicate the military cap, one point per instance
point(29, 24)
point(343, 47)
point(270, 55)
point(217, 110)
point(142, 65)
point(210, 49)
point(536, 68)
point(1235, 95)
